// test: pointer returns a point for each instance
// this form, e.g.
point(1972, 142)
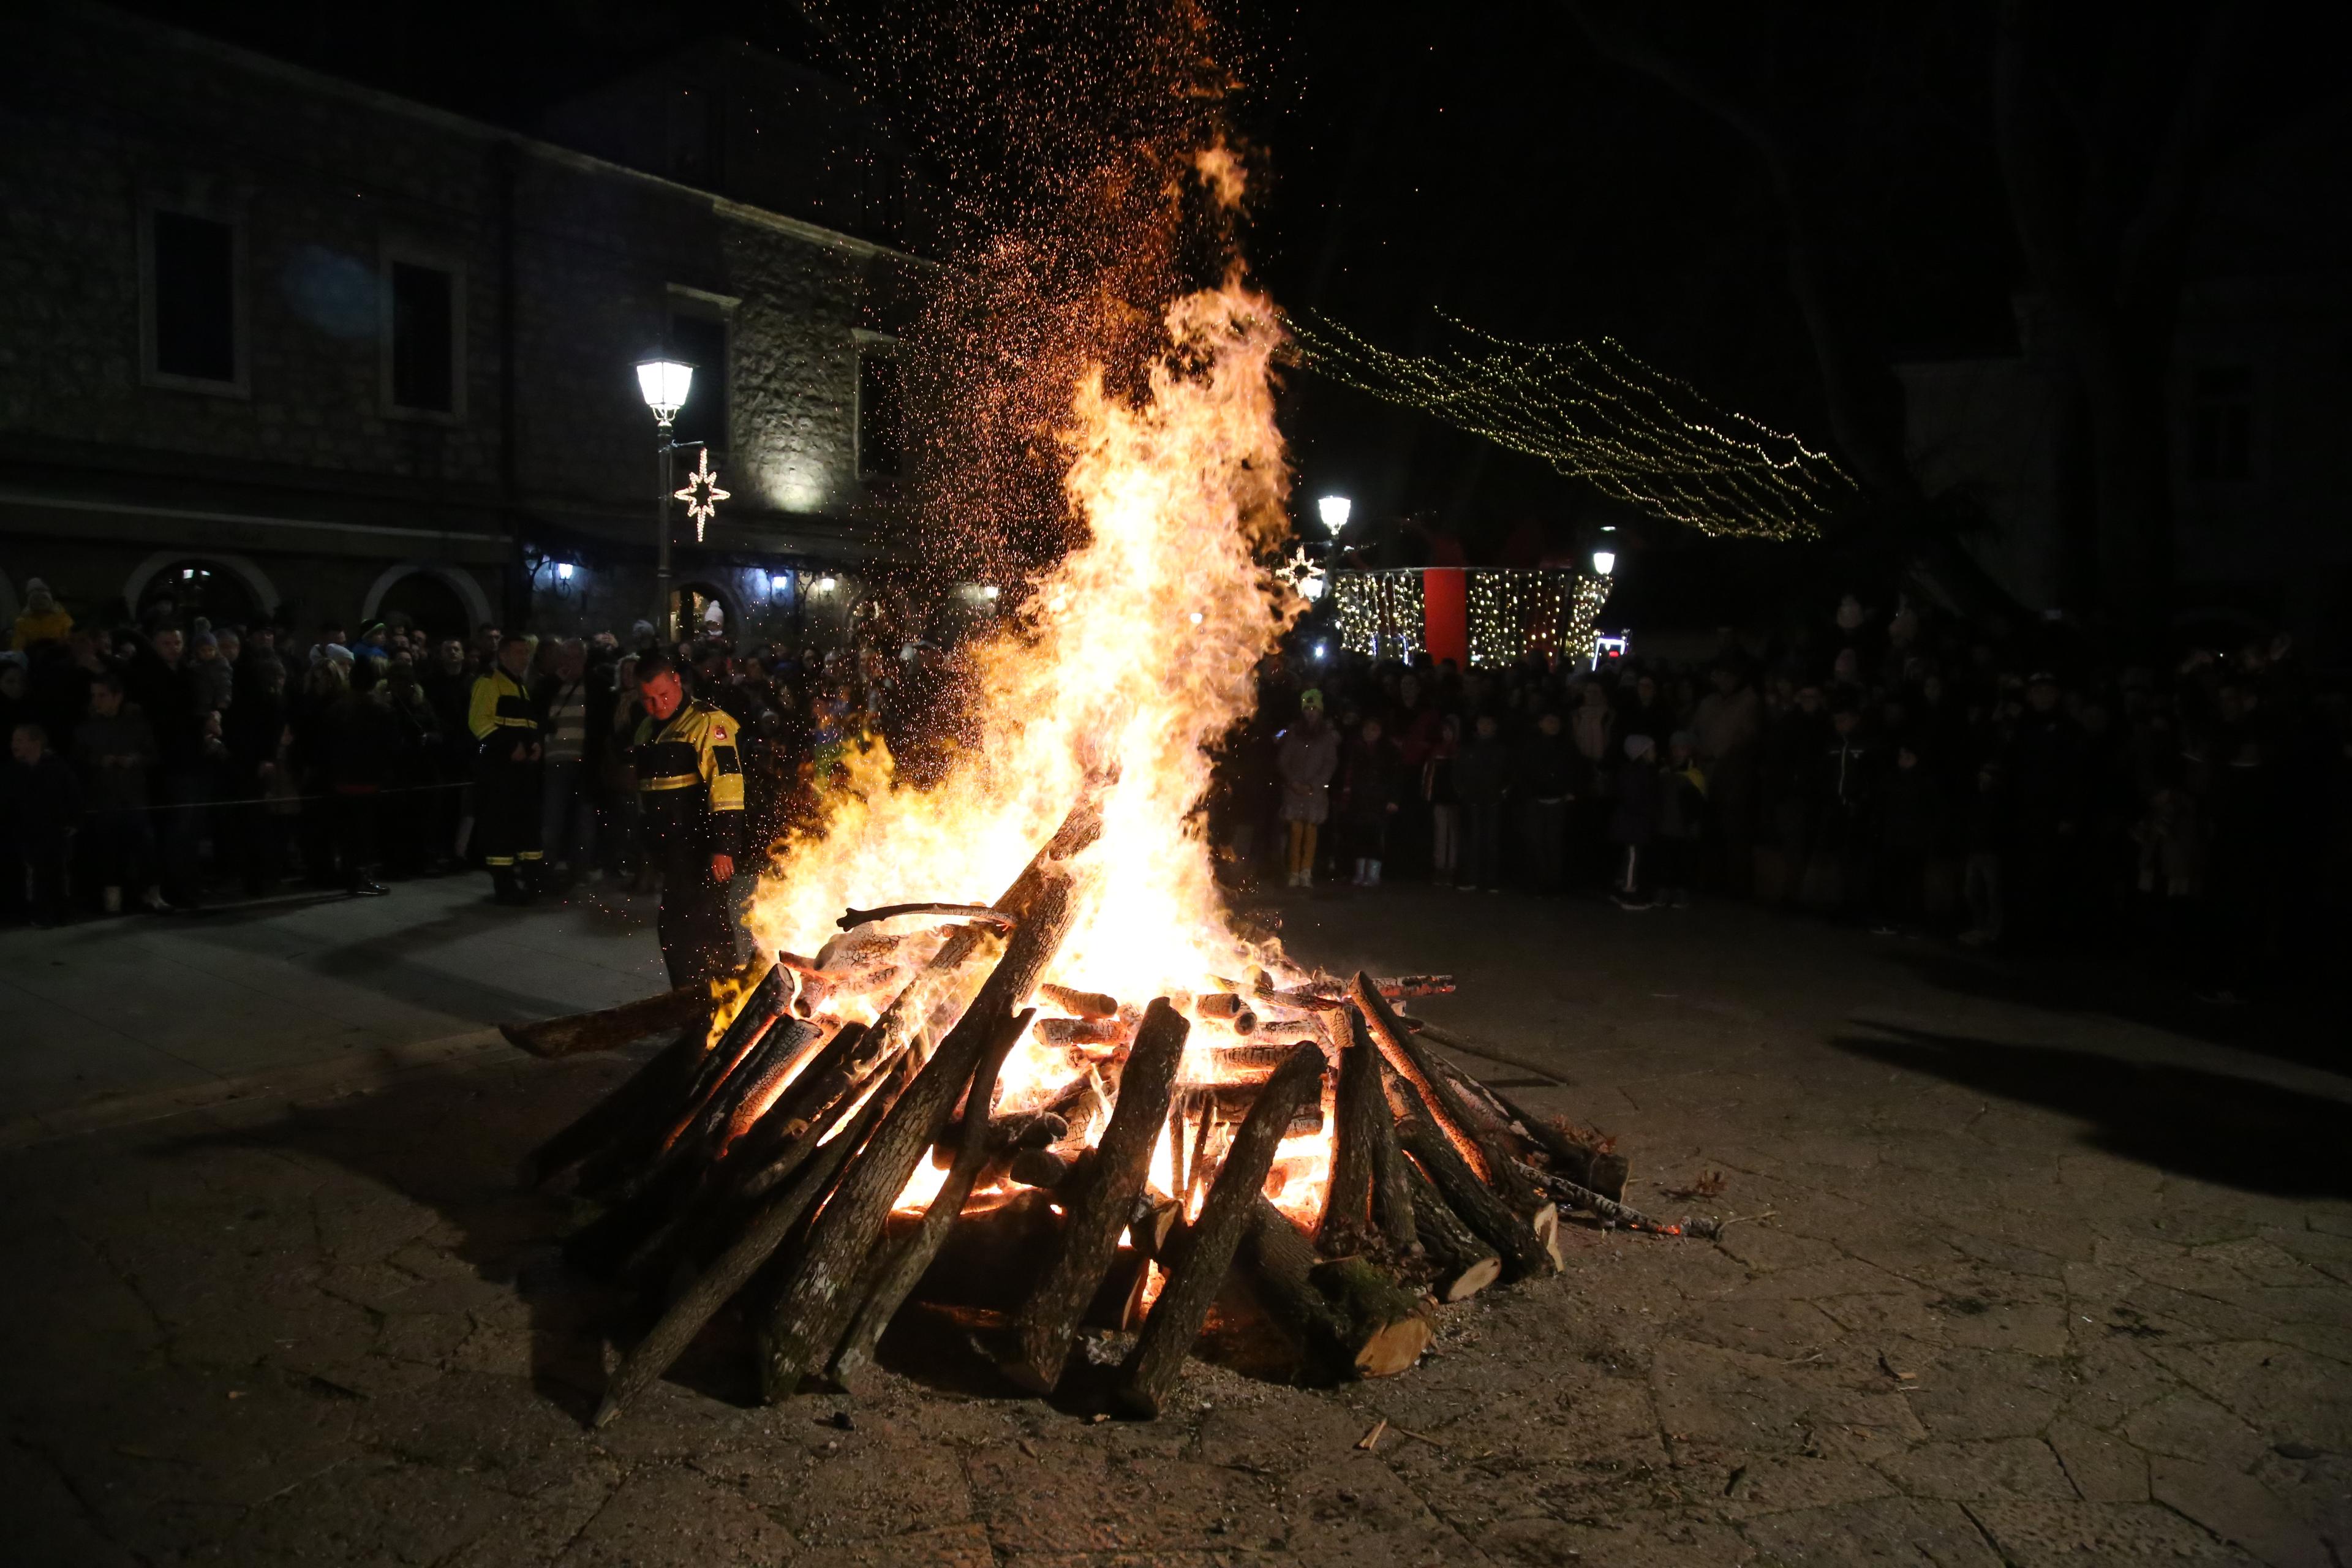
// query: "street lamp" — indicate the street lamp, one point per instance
point(665, 383)
point(1333, 510)
point(1604, 561)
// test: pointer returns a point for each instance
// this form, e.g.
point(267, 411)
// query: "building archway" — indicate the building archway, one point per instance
point(691, 612)
point(442, 599)
point(223, 589)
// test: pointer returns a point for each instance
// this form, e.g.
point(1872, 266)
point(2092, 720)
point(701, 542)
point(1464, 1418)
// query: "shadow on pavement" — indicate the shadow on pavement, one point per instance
point(451, 1143)
point(2291, 1028)
point(2235, 1132)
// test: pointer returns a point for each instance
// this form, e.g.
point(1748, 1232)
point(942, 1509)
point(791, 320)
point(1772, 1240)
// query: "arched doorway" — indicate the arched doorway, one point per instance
point(421, 600)
point(187, 588)
point(696, 609)
point(443, 600)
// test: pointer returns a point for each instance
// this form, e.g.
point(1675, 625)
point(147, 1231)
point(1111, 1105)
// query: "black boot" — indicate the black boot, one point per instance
point(503, 887)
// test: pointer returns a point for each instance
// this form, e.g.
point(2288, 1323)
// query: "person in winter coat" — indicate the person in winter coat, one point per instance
point(40, 801)
point(113, 749)
point(1547, 772)
point(1682, 820)
point(255, 732)
point(1985, 824)
point(42, 620)
point(363, 744)
point(1911, 828)
point(1846, 800)
point(1305, 758)
point(1445, 805)
point(1374, 791)
point(1482, 779)
point(1633, 824)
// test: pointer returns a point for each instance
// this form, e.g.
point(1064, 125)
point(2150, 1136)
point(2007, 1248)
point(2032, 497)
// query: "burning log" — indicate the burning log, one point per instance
point(1523, 1252)
point(1150, 1370)
point(1251, 1062)
point(1463, 1264)
point(1052, 1169)
point(1081, 1031)
point(1390, 988)
point(612, 1027)
point(1090, 1005)
point(1598, 1170)
point(813, 1307)
point(906, 1264)
point(1227, 1008)
point(1232, 1100)
point(1006, 1134)
point(642, 1095)
point(983, 914)
point(734, 1267)
point(992, 1255)
point(1415, 1066)
point(1350, 1318)
point(1360, 1112)
point(1042, 1329)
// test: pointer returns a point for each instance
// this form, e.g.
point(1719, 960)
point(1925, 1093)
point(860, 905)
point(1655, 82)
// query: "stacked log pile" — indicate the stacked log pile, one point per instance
point(767, 1156)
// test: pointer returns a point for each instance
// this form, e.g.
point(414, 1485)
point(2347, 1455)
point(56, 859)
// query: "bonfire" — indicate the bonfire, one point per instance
point(1083, 1109)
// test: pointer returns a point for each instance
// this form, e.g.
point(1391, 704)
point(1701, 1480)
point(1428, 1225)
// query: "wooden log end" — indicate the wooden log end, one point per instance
point(1393, 1349)
point(1471, 1281)
point(1546, 1225)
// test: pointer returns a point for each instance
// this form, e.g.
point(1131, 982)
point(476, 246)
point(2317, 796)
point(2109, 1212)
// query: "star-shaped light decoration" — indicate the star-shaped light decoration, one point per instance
point(701, 493)
point(1303, 574)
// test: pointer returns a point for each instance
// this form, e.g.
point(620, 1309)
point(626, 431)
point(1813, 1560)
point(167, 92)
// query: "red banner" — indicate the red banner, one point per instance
point(1446, 615)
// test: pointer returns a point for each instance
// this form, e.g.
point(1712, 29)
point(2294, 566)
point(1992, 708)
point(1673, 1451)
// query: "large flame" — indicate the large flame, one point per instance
point(1139, 648)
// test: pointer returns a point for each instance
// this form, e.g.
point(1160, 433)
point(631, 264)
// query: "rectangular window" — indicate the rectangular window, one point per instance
point(701, 341)
point(191, 276)
point(2221, 425)
point(881, 417)
point(424, 302)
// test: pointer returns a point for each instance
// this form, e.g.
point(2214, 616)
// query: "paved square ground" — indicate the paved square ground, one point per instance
point(2023, 1274)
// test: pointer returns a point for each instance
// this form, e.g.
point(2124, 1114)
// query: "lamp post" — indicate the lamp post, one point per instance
point(1334, 511)
point(1604, 561)
point(665, 383)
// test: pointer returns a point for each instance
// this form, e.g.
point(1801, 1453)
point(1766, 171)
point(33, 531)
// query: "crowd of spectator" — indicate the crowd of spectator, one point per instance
point(1909, 772)
point(165, 764)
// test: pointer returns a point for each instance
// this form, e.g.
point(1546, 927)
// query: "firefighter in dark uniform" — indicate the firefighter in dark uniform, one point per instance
point(690, 797)
point(505, 722)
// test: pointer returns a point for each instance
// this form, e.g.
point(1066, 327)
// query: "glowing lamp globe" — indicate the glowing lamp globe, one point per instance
point(1333, 510)
point(1604, 561)
point(665, 383)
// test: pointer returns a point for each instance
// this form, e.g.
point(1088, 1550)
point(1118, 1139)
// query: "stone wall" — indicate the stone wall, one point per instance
point(325, 182)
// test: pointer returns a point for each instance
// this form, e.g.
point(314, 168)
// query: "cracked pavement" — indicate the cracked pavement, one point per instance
point(2021, 1274)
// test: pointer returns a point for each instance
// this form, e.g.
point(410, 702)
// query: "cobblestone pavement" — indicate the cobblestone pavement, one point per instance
point(2016, 1279)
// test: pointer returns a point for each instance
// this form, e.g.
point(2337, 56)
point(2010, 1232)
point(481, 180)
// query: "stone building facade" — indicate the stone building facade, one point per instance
point(272, 344)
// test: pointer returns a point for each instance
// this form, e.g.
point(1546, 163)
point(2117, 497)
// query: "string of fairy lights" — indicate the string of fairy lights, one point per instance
point(1512, 612)
point(1594, 412)
point(1380, 613)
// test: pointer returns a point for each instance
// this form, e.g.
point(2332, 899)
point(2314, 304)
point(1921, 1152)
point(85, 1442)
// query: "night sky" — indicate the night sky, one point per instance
point(1482, 160)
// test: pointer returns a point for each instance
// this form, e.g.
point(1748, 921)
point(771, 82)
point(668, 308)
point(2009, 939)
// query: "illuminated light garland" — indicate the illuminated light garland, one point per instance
point(1380, 613)
point(1513, 612)
point(1594, 412)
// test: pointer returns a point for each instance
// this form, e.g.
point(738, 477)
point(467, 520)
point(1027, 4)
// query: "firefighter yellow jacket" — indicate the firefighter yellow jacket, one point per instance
point(694, 750)
point(500, 703)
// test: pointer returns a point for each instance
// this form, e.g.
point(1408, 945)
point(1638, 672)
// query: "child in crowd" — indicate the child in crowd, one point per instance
point(43, 802)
